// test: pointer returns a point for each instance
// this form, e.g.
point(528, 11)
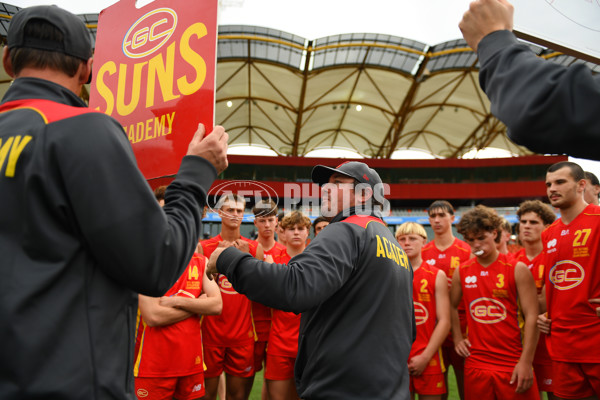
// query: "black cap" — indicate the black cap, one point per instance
point(76, 42)
point(354, 169)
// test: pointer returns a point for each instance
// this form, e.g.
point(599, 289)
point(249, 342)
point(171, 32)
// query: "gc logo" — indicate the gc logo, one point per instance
point(566, 275)
point(149, 33)
point(225, 286)
point(421, 313)
point(487, 311)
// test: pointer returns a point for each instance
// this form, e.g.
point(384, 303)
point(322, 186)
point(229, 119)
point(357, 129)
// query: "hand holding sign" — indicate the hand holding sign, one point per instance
point(485, 17)
point(212, 147)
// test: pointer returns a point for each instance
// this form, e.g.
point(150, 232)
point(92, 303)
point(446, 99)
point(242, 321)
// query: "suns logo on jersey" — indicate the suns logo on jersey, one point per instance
point(421, 313)
point(487, 311)
point(225, 286)
point(566, 275)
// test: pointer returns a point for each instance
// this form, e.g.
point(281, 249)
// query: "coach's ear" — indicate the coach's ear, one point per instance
point(6, 62)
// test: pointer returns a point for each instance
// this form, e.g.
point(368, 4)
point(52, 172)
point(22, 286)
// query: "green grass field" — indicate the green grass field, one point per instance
point(258, 381)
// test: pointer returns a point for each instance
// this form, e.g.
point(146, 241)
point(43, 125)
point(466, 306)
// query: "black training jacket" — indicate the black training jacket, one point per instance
point(80, 232)
point(547, 107)
point(353, 286)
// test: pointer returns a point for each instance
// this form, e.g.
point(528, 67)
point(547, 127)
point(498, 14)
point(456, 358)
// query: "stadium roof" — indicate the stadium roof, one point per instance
point(373, 94)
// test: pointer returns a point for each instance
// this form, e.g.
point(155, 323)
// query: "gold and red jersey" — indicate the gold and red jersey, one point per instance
point(448, 261)
point(176, 349)
point(261, 314)
point(492, 310)
point(234, 326)
point(425, 315)
point(571, 255)
point(537, 268)
point(285, 326)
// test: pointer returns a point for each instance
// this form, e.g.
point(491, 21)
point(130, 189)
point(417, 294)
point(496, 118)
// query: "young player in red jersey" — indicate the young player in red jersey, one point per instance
point(446, 252)
point(229, 338)
point(283, 338)
point(432, 314)
point(266, 222)
point(168, 349)
point(498, 355)
point(319, 224)
point(534, 216)
point(571, 254)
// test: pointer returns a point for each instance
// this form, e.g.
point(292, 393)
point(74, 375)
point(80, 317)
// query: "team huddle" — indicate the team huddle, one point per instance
point(476, 304)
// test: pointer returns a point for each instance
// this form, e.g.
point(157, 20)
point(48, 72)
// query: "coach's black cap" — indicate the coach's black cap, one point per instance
point(76, 41)
point(354, 169)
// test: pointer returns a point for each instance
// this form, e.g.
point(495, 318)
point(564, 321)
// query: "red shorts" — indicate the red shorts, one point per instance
point(543, 376)
point(451, 357)
point(427, 384)
point(236, 361)
point(495, 385)
point(279, 368)
point(576, 380)
point(260, 353)
point(182, 388)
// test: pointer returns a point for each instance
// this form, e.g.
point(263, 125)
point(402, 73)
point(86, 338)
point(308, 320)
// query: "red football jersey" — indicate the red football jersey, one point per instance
point(425, 315)
point(234, 326)
point(490, 295)
point(176, 349)
point(537, 269)
point(261, 314)
point(571, 256)
point(285, 326)
point(448, 261)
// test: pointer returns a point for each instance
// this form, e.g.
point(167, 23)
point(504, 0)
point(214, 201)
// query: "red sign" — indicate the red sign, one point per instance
point(154, 72)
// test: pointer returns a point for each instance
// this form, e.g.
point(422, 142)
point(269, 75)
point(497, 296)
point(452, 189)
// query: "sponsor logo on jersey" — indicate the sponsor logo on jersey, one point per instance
point(431, 261)
point(566, 275)
point(225, 286)
point(142, 393)
point(197, 388)
point(421, 313)
point(551, 243)
point(487, 311)
point(471, 282)
point(149, 33)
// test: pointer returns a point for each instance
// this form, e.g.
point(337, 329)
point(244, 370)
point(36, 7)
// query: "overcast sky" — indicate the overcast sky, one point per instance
point(428, 21)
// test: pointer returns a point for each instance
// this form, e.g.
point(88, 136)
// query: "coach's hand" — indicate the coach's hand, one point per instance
point(211, 266)
point(485, 17)
point(242, 245)
point(213, 147)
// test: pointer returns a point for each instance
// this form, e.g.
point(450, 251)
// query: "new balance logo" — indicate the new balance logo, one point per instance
point(197, 388)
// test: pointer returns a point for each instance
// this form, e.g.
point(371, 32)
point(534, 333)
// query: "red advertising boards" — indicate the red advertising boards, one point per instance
point(154, 72)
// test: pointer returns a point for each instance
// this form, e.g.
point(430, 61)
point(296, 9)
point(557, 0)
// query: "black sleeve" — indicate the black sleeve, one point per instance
point(547, 107)
point(131, 238)
point(308, 280)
